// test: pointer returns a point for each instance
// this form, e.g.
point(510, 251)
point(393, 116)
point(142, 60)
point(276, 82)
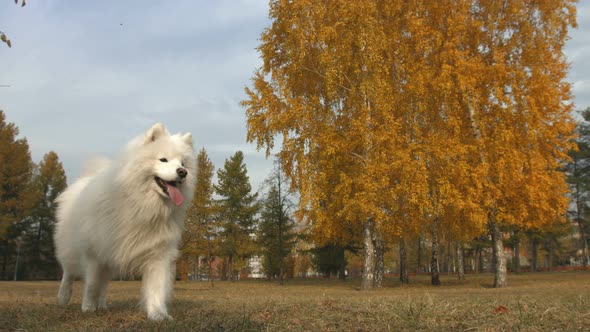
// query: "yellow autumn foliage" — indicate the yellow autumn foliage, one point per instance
point(406, 111)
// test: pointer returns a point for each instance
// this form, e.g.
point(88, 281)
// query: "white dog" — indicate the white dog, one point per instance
point(126, 217)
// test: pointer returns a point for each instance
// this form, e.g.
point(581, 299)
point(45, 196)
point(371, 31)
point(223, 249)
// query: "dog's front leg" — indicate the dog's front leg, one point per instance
point(105, 277)
point(157, 288)
point(93, 280)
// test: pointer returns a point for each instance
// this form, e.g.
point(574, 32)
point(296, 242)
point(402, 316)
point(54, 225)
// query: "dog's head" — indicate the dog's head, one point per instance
point(167, 162)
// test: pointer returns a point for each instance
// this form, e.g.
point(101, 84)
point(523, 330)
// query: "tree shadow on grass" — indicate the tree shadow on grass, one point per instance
point(486, 285)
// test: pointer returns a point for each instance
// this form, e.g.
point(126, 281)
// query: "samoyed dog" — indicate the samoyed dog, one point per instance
point(126, 217)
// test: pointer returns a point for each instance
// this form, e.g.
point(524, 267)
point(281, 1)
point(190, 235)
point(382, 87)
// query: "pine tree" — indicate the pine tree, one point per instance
point(579, 180)
point(276, 229)
point(49, 181)
point(201, 227)
point(237, 209)
point(15, 188)
point(328, 259)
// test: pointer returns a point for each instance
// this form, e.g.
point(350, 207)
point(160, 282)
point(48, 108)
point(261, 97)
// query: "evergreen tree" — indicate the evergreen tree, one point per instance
point(49, 181)
point(200, 236)
point(276, 234)
point(15, 183)
point(329, 260)
point(579, 180)
point(237, 208)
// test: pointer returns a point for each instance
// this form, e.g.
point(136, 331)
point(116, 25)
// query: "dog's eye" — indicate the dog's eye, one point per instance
point(182, 164)
point(164, 160)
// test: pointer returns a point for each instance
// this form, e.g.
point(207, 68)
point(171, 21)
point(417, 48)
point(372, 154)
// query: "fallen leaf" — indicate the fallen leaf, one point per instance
point(500, 310)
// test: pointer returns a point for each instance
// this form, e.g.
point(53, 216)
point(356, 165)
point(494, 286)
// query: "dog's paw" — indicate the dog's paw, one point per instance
point(159, 316)
point(88, 307)
point(63, 300)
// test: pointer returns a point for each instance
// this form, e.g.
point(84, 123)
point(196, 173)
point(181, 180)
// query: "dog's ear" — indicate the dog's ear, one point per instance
point(188, 139)
point(155, 132)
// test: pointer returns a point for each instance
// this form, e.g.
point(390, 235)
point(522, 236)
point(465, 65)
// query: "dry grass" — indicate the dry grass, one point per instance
point(533, 302)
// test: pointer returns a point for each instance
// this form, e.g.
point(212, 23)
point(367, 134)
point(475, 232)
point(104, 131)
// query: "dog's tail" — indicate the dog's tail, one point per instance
point(94, 166)
point(68, 196)
point(65, 289)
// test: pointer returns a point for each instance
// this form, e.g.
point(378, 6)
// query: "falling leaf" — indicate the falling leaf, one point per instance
point(8, 43)
point(3, 37)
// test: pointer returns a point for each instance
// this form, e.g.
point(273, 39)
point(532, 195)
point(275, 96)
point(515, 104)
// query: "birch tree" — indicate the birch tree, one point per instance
point(425, 109)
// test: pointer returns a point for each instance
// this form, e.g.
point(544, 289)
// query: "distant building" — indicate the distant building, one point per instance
point(255, 268)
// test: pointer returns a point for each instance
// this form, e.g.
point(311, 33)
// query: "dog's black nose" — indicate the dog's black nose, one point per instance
point(181, 172)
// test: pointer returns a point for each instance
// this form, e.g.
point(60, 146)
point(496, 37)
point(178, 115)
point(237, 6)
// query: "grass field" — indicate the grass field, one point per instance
point(532, 302)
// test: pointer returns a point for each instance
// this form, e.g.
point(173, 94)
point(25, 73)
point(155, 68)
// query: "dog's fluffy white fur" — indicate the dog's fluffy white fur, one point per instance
point(126, 217)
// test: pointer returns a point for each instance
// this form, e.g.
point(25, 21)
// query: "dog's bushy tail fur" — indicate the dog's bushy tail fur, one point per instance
point(94, 166)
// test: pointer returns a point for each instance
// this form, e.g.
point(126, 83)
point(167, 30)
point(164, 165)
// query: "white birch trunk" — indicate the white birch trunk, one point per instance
point(368, 276)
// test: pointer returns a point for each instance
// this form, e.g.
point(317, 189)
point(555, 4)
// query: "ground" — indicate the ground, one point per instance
point(558, 301)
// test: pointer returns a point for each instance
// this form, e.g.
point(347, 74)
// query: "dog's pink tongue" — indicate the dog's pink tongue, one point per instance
point(175, 195)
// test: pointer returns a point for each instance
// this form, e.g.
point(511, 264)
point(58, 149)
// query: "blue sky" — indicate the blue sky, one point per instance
point(86, 76)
